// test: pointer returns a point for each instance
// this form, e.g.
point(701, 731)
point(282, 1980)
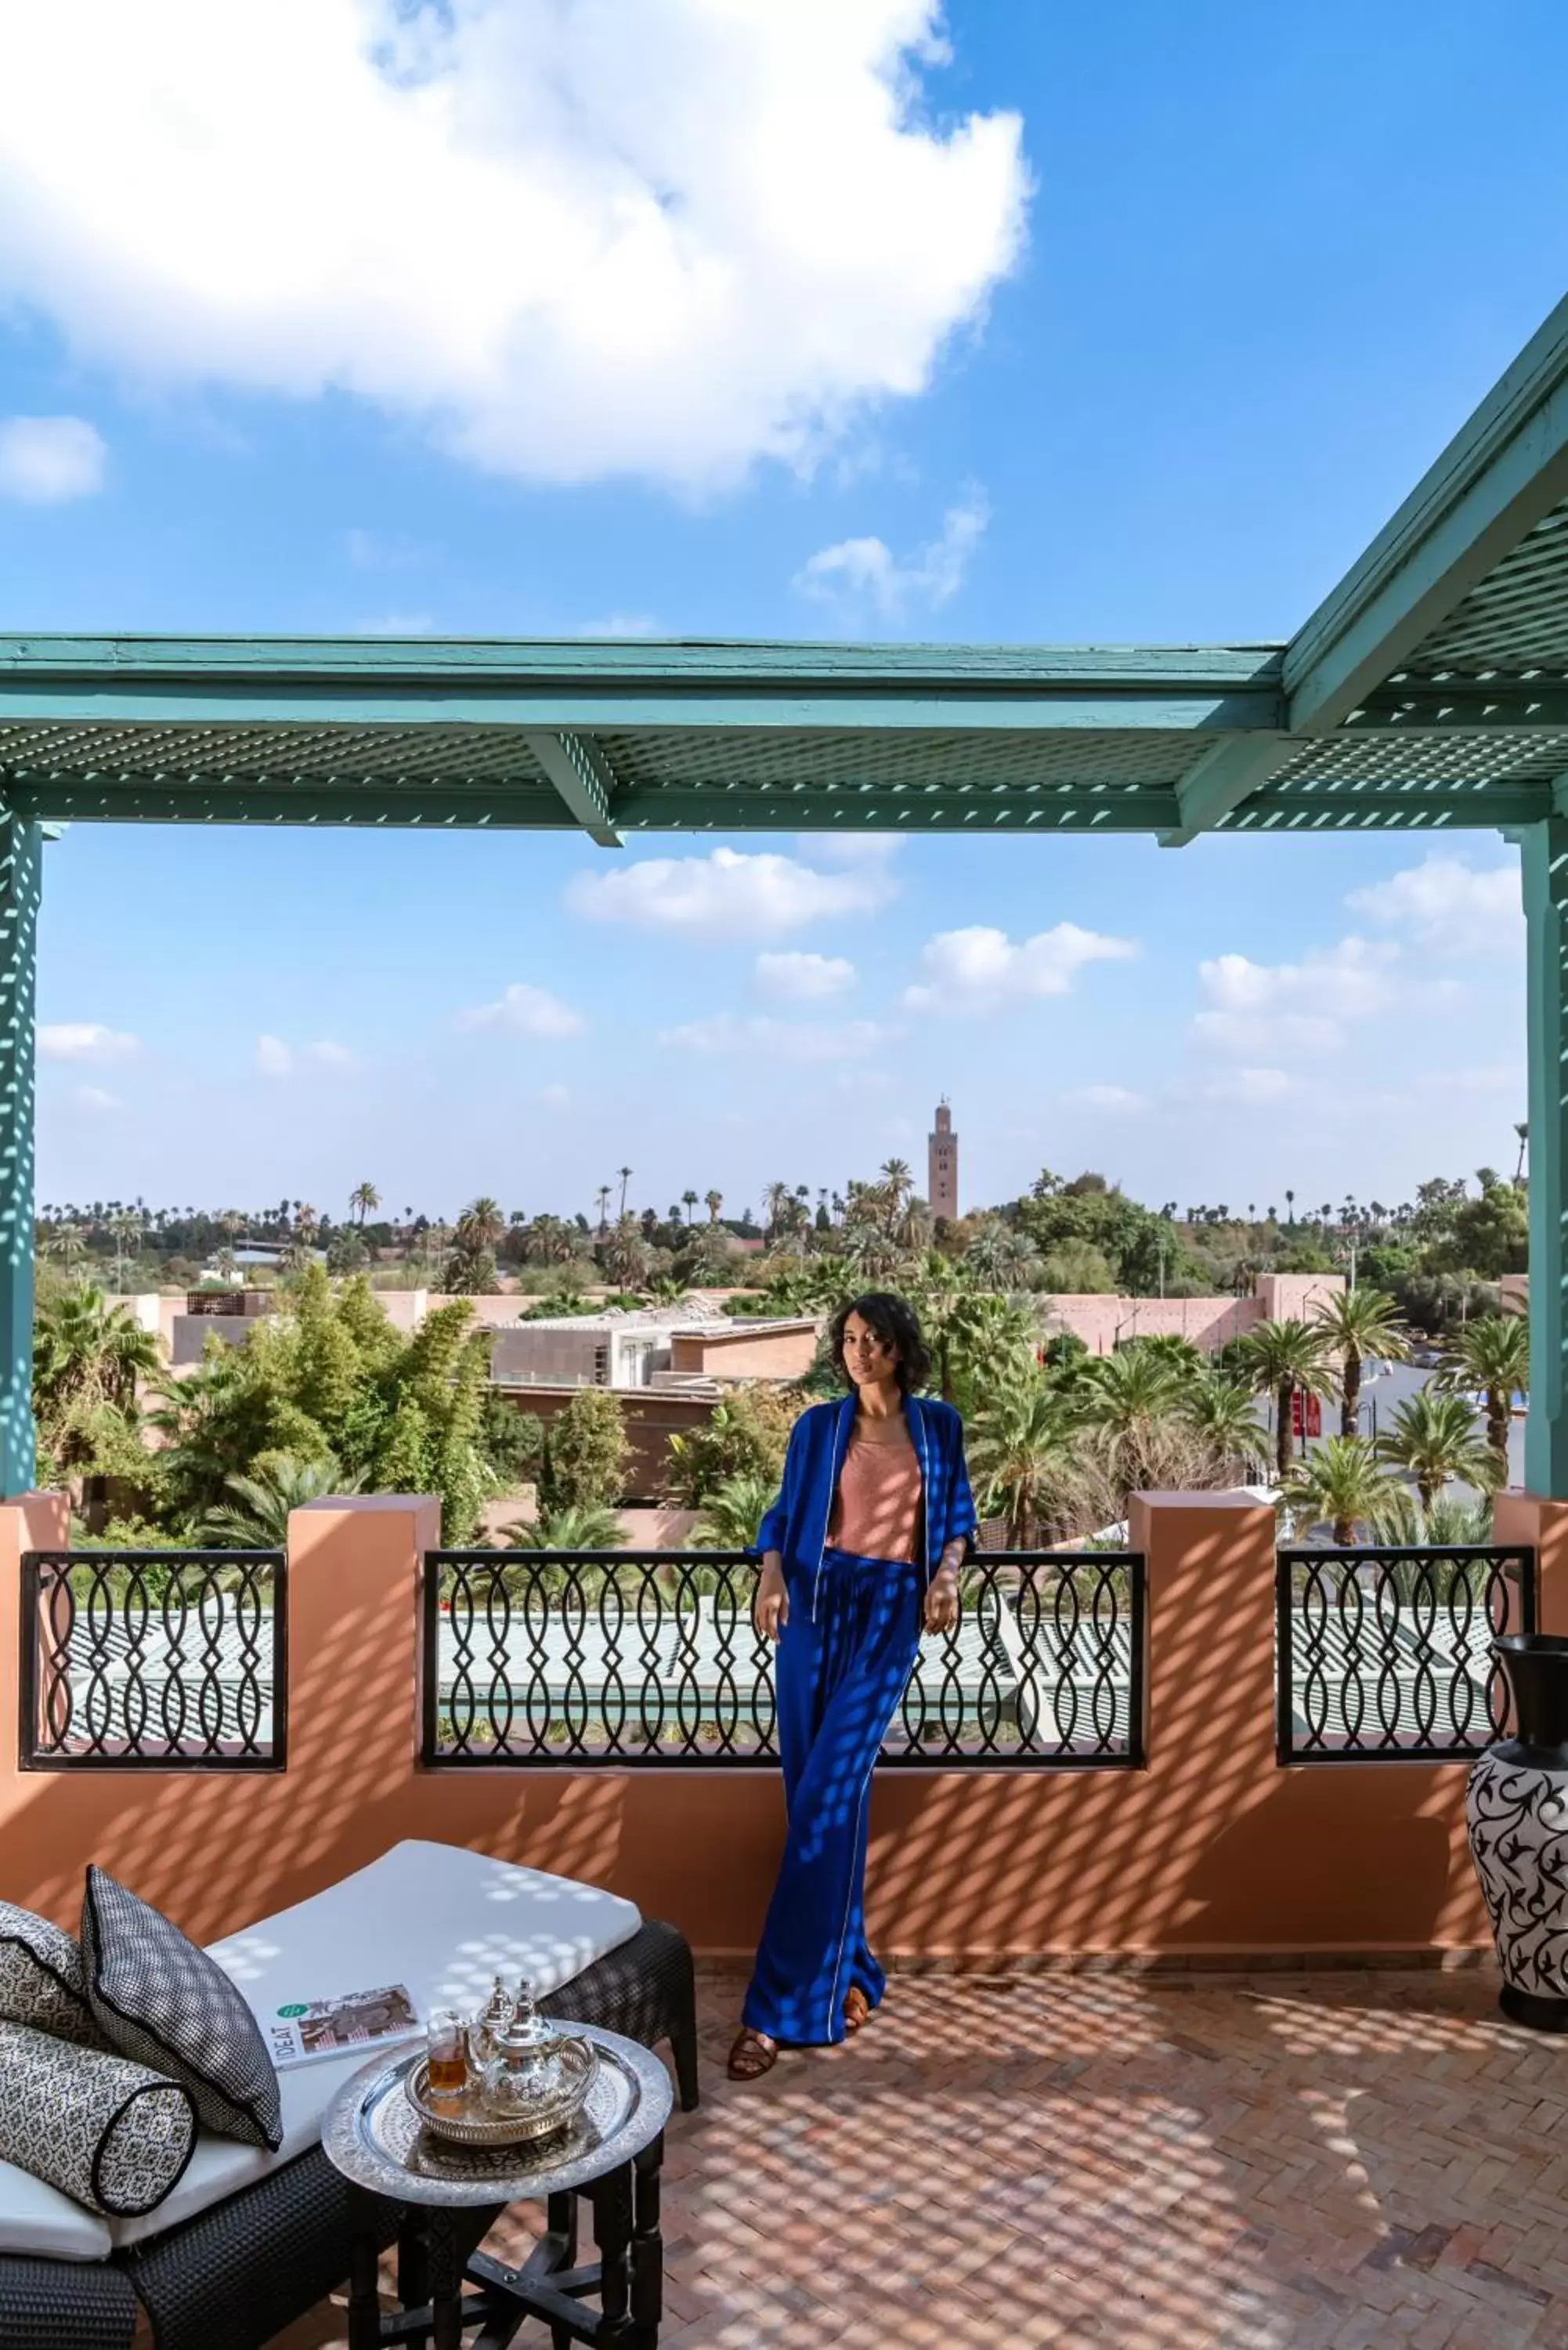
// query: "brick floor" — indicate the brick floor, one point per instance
point(1326, 2162)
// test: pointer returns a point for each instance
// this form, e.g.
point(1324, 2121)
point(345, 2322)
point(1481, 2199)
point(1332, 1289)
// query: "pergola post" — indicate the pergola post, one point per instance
point(20, 878)
point(1544, 851)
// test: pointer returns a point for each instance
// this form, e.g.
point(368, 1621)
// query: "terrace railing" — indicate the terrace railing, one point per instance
point(153, 1659)
point(575, 1659)
point(1383, 1653)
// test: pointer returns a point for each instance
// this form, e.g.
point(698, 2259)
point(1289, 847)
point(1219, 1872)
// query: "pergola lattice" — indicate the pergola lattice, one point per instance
point(1430, 690)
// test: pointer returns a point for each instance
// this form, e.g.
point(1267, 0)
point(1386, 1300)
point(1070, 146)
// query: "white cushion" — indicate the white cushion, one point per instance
point(38, 2219)
point(440, 1920)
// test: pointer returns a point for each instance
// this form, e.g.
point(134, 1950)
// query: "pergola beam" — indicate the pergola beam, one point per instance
point(1221, 779)
point(604, 707)
point(584, 779)
point(20, 879)
point(1502, 473)
point(1544, 854)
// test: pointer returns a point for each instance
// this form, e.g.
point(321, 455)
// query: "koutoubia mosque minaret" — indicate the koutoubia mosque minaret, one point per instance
point(941, 1187)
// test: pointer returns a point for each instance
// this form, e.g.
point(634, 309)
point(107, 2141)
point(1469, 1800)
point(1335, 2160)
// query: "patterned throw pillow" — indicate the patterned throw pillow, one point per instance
point(158, 1998)
point(112, 2134)
point(41, 1979)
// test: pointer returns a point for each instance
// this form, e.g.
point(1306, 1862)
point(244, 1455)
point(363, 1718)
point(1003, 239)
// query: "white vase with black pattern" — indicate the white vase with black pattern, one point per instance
point(1516, 1810)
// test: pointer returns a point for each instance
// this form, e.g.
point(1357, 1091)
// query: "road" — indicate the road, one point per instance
point(1381, 1397)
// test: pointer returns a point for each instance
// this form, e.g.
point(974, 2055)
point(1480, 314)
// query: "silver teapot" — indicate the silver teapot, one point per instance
point(490, 2021)
point(527, 2069)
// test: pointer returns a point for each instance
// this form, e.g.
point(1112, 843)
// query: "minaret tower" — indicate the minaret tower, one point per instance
point(941, 1188)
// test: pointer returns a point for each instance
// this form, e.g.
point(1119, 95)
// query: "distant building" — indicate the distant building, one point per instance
point(941, 1185)
point(691, 1348)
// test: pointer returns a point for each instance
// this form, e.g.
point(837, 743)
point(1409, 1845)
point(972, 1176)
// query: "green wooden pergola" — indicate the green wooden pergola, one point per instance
point(1429, 691)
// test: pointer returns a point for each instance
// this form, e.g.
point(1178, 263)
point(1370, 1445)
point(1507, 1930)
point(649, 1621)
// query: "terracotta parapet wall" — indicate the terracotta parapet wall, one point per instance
point(1211, 1850)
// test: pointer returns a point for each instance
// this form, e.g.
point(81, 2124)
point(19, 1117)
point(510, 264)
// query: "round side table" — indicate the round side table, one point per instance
point(447, 2198)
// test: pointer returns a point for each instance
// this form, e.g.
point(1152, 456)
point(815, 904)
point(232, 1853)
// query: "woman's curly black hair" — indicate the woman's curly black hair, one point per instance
point(893, 1319)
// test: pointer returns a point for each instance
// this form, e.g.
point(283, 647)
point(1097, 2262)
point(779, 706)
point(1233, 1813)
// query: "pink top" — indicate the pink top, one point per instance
point(877, 1510)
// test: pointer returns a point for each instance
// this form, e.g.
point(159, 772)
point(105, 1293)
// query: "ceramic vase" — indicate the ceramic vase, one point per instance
point(1516, 1810)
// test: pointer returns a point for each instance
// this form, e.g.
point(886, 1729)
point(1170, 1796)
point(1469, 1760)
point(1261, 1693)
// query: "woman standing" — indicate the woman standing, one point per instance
point(860, 1555)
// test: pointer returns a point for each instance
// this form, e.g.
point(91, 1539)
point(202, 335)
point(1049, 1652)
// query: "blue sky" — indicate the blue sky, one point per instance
point(1126, 322)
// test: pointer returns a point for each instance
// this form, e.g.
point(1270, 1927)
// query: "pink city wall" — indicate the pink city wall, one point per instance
point(1210, 1323)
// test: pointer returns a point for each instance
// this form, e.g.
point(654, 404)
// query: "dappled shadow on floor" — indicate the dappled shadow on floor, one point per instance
point(1272, 2162)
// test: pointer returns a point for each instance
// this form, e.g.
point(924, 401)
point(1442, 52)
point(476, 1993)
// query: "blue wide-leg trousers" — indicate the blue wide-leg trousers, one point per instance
point(842, 1669)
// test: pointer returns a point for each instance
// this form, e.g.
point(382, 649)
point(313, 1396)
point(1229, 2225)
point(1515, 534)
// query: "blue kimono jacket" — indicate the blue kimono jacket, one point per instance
point(796, 1525)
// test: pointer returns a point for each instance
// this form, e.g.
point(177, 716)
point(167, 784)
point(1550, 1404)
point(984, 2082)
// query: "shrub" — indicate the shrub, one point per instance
point(584, 1456)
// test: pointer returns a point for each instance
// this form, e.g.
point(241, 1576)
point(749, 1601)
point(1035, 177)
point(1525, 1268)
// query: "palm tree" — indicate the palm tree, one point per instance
point(575, 1526)
point(1433, 1436)
point(86, 1351)
point(625, 1175)
point(987, 1253)
point(1222, 1413)
point(603, 1197)
point(897, 1182)
point(733, 1513)
point(363, 1197)
point(778, 1208)
point(1358, 1323)
point(1344, 1481)
point(1290, 1206)
point(624, 1253)
point(1280, 1358)
point(1522, 1129)
point(688, 1201)
point(257, 1517)
point(1022, 1455)
point(1124, 1398)
point(713, 1201)
point(127, 1225)
point(1493, 1354)
point(480, 1224)
point(65, 1242)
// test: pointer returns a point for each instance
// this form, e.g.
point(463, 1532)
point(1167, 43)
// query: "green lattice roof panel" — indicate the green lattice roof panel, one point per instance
point(1514, 621)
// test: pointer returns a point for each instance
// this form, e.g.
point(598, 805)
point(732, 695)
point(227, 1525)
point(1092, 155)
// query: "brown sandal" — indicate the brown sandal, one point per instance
point(857, 2008)
point(751, 2056)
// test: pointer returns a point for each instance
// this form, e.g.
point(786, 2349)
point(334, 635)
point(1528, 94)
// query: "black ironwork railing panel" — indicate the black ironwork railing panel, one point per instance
point(653, 1658)
point(1383, 1652)
point(153, 1659)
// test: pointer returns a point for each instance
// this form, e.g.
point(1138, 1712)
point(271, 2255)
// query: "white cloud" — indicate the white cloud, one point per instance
point(47, 459)
point(376, 550)
point(1450, 905)
point(1120, 1101)
point(398, 624)
point(781, 1040)
point(276, 1059)
point(94, 1098)
point(1296, 1007)
point(85, 1040)
point(1253, 1087)
point(523, 1011)
point(803, 978)
point(975, 970)
point(620, 624)
point(664, 240)
point(860, 573)
point(876, 849)
point(729, 894)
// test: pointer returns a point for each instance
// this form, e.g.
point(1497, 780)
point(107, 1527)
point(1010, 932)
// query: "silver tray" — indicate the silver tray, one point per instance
point(469, 2121)
point(375, 2137)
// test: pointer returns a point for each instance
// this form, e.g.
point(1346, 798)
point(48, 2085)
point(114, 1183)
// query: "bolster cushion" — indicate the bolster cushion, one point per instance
point(110, 2134)
point(41, 1977)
